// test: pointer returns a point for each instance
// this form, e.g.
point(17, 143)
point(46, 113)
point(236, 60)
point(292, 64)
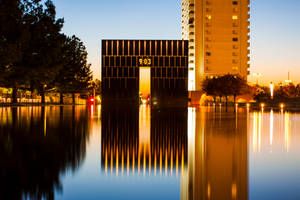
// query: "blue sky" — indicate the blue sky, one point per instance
point(275, 29)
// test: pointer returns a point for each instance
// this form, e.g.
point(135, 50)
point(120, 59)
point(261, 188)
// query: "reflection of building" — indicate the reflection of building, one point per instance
point(125, 61)
point(131, 146)
point(169, 137)
point(217, 157)
point(218, 34)
point(120, 137)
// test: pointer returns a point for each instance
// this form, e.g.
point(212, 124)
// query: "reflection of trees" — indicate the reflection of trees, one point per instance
point(123, 148)
point(36, 146)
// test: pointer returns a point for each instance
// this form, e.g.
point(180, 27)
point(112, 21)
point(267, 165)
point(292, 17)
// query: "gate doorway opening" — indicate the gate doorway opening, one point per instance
point(145, 85)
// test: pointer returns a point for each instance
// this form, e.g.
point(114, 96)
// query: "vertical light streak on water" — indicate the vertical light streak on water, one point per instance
point(45, 122)
point(260, 126)
point(254, 134)
point(271, 127)
point(191, 137)
point(281, 128)
point(99, 112)
point(92, 111)
point(117, 161)
point(287, 131)
point(144, 137)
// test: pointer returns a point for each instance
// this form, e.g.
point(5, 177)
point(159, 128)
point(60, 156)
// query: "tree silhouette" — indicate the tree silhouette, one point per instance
point(30, 42)
point(227, 85)
point(14, 39)
point(75, 74)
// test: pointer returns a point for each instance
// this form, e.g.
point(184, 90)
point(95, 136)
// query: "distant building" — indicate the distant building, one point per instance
point(218, 34)
point(148, 69)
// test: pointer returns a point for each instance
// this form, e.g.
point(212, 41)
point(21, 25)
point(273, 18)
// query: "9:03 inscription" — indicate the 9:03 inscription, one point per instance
point(145, 61)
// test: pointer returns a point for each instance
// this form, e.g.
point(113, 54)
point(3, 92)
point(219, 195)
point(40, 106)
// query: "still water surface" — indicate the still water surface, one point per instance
point(142, 153)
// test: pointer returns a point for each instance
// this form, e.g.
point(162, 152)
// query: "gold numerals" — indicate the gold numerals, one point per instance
point(145, 61)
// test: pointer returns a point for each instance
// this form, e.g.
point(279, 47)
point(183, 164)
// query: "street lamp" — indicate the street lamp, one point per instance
point(272, 90)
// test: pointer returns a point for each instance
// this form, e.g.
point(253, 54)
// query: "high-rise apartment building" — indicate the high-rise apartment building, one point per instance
point(218, 34)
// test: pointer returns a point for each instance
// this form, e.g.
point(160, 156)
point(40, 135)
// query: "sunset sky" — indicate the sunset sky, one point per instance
point(275, 29)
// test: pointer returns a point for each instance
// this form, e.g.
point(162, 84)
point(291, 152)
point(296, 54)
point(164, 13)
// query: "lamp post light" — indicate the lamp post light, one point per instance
point(272, 90)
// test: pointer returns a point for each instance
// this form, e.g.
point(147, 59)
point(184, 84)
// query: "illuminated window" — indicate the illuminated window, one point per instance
point(235, 68)
point(234, 17)
point(208, 16)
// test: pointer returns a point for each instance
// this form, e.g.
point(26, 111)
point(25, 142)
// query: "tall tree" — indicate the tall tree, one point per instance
point(75, 74)
point(14, 39)
point(42, 58)
point(29, 44)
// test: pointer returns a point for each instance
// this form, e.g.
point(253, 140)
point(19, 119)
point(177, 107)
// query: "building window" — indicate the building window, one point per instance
point(208, 3)
point(235, 2)
point(235, 24)
point(235, 61)
point(234, 17)
point(207, 39)
point(207, 32)
point(208, 53)
point(207, 46)
point(235, 39)
point(208, 17)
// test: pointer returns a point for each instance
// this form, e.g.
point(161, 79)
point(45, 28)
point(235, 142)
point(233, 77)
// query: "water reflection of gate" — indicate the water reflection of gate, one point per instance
point(128, 148)
point(206, 149)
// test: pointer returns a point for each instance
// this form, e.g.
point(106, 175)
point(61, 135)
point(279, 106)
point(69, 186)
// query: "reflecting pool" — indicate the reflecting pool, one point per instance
point(94, 152)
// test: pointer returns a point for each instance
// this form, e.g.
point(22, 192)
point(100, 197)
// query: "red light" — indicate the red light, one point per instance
point(92, 99)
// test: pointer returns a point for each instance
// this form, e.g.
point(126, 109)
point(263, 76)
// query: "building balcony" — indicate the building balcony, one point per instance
point(208, 32)
point(235, 25)
point(208, 3)
point(235, 61)
point(192, 5)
